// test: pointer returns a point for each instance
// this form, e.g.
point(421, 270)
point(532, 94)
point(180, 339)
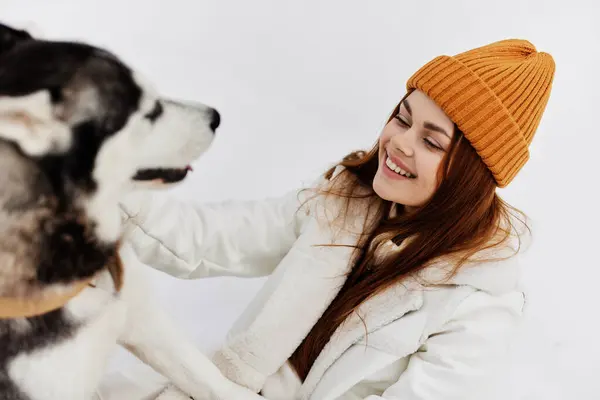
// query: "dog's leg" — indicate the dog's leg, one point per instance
point(153, 338)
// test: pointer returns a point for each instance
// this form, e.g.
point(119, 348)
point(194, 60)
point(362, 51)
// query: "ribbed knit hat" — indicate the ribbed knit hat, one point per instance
point(496, 95)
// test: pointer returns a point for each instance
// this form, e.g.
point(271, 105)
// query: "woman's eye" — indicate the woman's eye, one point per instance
point(402, 120)
point(432, 144)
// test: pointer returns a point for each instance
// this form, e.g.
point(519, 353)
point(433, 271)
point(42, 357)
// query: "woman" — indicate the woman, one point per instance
point(394, 277)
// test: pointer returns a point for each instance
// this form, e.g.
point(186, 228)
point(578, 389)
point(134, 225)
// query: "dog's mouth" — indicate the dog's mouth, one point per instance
point(164, 175)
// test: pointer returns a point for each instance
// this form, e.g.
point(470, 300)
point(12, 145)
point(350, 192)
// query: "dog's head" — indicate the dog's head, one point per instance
point(92, 125)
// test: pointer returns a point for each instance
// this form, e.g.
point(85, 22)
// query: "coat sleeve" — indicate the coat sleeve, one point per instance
point(461, 360)
point(191, 240)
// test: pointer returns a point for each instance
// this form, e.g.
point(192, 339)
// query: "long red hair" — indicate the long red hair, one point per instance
point(464, 216)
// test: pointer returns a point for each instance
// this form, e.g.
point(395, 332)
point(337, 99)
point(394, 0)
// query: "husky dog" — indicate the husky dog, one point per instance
point(78, 129)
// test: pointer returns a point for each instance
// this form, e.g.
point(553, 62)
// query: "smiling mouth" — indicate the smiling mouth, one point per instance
point(393, 167)
point(166, 175)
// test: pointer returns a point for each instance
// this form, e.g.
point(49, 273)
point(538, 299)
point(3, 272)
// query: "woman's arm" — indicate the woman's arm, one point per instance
point(192, 240)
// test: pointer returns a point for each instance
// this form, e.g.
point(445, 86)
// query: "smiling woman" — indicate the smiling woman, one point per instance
point(396, 278)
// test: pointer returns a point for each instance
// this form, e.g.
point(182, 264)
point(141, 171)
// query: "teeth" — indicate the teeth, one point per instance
point(397, 169)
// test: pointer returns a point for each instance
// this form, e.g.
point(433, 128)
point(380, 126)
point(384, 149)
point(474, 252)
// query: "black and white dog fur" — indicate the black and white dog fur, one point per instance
point(78, 129)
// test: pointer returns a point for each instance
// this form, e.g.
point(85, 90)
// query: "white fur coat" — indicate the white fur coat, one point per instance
point(423, 343)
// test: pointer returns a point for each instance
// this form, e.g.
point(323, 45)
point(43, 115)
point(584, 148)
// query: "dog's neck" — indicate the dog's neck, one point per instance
point(49, 242)
point(40, 299)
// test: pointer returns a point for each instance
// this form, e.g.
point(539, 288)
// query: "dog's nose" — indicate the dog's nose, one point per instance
point(215, 120)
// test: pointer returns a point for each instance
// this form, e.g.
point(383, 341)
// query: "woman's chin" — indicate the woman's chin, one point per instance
point(385, 189)
point(397, 191)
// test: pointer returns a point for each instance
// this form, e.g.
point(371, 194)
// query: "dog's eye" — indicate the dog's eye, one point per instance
point(155, 112)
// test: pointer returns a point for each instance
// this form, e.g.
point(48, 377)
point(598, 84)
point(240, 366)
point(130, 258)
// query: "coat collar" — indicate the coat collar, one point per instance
point(397, 301)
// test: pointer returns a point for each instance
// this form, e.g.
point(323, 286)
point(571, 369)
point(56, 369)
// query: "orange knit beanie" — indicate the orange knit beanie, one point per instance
point(496, 95)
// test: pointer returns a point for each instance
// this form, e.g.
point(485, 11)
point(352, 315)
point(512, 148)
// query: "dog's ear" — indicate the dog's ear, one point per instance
point(10, 37)
point(31, 123)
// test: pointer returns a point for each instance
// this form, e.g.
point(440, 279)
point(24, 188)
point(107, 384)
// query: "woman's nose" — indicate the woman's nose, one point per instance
point(403, 142)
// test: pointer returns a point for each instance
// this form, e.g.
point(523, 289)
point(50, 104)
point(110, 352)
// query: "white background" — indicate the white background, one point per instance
point(299, 84)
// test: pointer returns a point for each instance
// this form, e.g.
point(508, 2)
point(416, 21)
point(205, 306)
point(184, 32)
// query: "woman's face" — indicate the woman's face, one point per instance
point(411, 148)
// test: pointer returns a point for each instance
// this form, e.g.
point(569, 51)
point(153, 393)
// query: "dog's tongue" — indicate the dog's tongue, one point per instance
point(189, 168)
